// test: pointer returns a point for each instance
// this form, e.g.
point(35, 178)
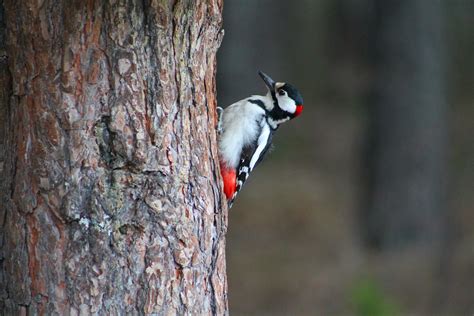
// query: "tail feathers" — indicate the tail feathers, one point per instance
point(231, 201)
point(232, 182)
point(241, 178)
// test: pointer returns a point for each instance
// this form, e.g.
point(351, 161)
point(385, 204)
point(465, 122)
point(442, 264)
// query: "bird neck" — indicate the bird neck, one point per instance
point(264, 101)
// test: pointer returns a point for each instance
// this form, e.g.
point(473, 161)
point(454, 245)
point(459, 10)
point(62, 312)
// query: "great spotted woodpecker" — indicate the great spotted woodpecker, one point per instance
point(246, 129)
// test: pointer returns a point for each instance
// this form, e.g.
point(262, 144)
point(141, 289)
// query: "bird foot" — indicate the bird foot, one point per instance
point(220, 111)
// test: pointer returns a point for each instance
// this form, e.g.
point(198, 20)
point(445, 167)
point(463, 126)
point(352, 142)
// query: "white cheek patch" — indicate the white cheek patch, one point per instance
point(287, 104)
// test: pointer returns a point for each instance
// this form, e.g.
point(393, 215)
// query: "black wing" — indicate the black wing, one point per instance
point(252, 155)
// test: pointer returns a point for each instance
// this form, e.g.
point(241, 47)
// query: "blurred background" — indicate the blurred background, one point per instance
point(366, 205)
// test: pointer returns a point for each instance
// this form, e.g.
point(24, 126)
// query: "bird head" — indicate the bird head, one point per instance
point(287, 101)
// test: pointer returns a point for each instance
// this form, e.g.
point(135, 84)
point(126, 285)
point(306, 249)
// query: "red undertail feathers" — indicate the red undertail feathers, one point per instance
point(229, 177)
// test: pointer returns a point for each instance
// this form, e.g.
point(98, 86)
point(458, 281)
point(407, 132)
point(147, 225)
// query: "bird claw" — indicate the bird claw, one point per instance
point(220, 111)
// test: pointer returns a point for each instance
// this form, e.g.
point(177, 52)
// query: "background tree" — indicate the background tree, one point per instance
point(408, 130)
point(299, 220)
point(110, 195)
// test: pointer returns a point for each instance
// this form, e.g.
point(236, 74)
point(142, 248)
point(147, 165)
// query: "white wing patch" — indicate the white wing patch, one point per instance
point(262, 143)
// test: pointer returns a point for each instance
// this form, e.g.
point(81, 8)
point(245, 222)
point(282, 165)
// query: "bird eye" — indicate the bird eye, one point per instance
point(282, 92)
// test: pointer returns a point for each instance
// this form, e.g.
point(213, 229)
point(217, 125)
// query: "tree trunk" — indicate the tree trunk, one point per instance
point(408, 133)
point(110, 190)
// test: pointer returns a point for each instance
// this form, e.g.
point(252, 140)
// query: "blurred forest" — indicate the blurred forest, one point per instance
point(365, 207)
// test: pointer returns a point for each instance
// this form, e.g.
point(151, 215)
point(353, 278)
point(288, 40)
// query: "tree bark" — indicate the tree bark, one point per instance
point(111, 198)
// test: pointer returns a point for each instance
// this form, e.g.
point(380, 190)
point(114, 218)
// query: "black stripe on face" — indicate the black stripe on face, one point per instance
point(278, 114)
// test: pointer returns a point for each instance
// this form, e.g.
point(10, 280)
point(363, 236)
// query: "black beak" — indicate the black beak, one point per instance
point(268, 81)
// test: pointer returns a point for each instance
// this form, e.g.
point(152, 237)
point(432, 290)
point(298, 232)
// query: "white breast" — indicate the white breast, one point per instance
point(240, 123)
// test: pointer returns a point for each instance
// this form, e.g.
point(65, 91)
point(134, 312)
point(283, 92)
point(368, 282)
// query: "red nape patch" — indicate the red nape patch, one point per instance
point(299, 109)
point(229, 176)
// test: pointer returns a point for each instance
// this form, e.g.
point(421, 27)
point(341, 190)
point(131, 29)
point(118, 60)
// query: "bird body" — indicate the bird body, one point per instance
point(246, 130)
point(243, 122)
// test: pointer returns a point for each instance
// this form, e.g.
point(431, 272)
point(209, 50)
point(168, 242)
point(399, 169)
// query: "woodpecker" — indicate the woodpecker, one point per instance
point(246, 129)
